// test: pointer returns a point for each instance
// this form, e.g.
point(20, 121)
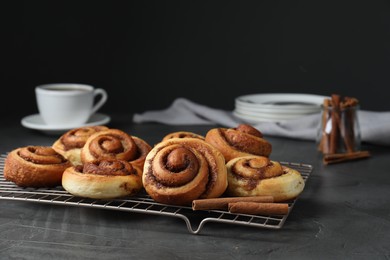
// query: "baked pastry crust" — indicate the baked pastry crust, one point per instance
point(103, 179)
point(182, 134)
point(70, 143)
point(179, 170)
point(240, 141)
point(35, 166)
point(258, 176)
point(115, 144)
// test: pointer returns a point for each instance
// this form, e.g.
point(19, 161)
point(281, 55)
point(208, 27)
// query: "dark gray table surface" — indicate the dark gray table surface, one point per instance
point(343, 213)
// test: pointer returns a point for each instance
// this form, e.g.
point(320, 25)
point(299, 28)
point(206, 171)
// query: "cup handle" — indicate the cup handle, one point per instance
point(102, 100)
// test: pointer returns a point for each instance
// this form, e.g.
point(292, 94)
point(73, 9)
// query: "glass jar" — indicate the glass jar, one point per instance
point(339, 130)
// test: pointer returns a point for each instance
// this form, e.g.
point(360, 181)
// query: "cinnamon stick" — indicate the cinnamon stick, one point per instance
point(334, 134)
point(222, 203)
point(258, 208)
point(347, 126)
point(342, 157)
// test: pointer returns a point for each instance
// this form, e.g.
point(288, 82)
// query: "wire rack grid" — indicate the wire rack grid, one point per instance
point(144, 204)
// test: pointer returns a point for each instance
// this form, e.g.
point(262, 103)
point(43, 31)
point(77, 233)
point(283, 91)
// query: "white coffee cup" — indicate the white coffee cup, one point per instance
point(68, 104)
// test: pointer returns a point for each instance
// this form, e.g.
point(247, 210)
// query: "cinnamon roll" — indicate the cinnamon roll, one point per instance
point(35, 166)
point(103, 179)
point(70, 143)
point(182, 134)
point(240, 141)
point(180, 170)
point(258, 176)
point(115, 143)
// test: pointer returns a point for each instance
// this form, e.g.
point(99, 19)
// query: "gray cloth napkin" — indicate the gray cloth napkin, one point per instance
point(374, 126)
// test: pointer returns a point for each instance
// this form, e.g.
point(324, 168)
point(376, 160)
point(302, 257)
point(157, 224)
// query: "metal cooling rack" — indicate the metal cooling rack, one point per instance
point(142, 203)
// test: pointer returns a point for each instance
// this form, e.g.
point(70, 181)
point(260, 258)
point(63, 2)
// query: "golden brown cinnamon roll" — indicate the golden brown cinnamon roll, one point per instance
point(115, 143)
point(182, 134)
point(258, 176)
point(71, 142)
point(179, 170)
point(103, 179)
point(35, 166)
point(240, 141)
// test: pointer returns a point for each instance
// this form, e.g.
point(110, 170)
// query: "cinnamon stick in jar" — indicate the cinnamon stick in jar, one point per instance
point(222, 203)
point(258, 208)
point(347, 126)
point(334, 134)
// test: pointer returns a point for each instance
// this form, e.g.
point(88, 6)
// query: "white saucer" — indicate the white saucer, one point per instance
point(281, 101)
point(36, 122)
point(276, 107)
point(253, 119)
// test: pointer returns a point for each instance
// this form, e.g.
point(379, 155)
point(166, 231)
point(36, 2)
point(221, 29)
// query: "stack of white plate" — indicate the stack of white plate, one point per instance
point(276, 107)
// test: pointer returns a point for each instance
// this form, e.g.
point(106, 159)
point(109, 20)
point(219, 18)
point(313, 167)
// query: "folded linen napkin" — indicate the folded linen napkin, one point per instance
point(374, 126)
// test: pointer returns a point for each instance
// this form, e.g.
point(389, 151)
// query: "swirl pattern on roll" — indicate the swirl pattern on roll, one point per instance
point(111, 167)
point(35, 166)
point(41, 155)
point(258, 176)
point(179, 170)
point(103, 179)
point(76, 138)
point(70, 143)
point(115, 144)
point(240, 141)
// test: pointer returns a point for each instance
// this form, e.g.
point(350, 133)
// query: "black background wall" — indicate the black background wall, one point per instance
point(147, 53)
